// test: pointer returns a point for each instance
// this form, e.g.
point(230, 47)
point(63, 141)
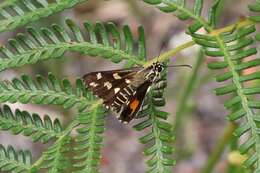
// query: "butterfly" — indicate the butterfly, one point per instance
point(123, 91)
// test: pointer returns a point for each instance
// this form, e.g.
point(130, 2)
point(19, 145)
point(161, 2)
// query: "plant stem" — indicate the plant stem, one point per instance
point(185, 96)
point(241, 23)
point(213, 32)
point(219, 148)
point(170, 53)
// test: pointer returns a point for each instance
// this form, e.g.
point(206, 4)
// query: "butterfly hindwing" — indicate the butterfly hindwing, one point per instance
point(131, 109)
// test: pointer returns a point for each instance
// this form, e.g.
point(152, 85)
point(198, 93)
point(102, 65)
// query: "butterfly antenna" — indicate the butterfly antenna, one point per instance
point(181, 65)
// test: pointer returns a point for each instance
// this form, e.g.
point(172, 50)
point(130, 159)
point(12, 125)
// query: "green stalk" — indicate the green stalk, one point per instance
point(213, 32)
point(219, 148)
point(185, 96)
point(167, 55)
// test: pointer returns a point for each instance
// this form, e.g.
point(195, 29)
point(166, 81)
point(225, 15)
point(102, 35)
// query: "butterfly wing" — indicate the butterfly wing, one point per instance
point(123, 91)
point(130, 110)
point(106, 84)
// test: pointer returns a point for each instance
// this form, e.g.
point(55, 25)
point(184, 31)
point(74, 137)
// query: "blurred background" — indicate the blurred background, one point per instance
point(201, 121)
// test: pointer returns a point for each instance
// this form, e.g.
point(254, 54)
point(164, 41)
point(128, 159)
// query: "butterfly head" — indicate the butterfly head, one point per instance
point(155, 71)
point(157, 67)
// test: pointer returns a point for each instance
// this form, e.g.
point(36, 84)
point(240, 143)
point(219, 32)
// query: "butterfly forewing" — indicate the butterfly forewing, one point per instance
point(107, 84)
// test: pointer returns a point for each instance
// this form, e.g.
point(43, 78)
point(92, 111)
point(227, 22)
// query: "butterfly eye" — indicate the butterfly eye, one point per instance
point(159, 68)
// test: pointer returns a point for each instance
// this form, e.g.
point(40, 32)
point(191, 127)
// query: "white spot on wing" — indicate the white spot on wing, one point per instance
point(127, 81)
point(93, 84)
point(148, 89)
point(116, 90)
point(116, 76)
point(108, 85)
point(99, 76)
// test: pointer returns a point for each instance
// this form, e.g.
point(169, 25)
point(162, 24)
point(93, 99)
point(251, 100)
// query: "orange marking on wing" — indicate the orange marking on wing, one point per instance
point(134, 104)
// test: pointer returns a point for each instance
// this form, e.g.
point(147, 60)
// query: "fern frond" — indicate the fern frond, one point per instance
point(104, 40)
point(183, 12)
point(55, 159)
point(29, 125)
point(230, 45)
point(255, 8)
point(159, 140)
point(43, 91)
point(7, 3)
point(255, 17)
point(14, 161)
point(89, 139)
point(88, 142)
point(14, 13)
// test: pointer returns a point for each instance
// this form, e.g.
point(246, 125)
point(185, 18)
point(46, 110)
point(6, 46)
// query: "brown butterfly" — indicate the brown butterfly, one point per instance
point(123, 91)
